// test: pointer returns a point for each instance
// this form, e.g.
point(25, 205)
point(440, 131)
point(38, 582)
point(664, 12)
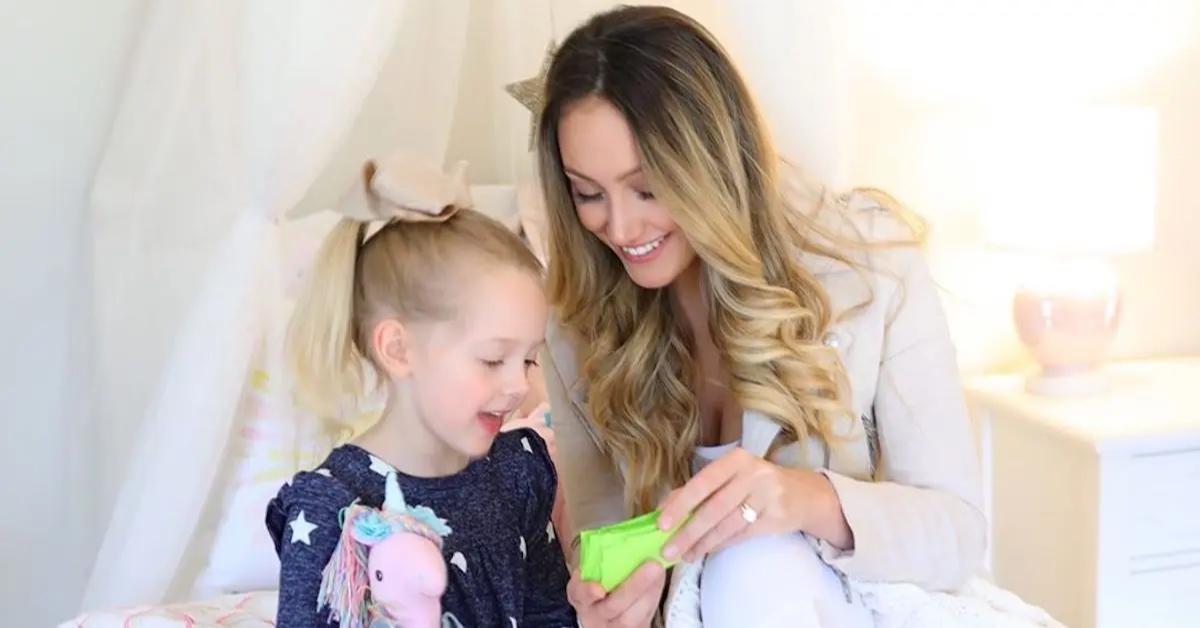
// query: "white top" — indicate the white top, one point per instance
point(705, 455)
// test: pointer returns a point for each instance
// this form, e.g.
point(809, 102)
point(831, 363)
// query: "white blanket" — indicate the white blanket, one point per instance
point(978, 604)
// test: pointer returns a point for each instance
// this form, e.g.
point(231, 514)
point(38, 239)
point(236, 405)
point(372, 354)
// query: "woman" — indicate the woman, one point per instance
point(775, 356)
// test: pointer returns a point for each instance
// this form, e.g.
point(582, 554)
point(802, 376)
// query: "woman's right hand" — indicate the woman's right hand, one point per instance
point(630, 605)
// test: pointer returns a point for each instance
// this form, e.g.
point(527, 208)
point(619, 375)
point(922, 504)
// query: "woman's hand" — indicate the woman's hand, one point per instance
point(631, 605)
point(741, 495)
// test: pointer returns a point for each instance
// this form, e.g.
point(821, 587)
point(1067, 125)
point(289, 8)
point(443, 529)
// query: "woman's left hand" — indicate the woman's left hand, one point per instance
point(740, 495)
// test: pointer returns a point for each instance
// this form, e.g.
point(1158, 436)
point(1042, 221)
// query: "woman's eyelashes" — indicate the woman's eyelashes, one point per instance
point(581, 197)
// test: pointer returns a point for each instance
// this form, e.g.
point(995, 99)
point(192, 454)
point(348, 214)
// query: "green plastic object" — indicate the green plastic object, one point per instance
point(610, 554)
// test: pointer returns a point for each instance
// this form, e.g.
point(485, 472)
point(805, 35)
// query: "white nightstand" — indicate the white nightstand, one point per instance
point(1094, 502)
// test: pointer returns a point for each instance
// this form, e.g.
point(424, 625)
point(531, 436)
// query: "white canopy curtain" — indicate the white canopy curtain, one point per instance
point(230, 112)
point(234, 113)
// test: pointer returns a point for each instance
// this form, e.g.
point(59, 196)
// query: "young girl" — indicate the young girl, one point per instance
point(444, 308)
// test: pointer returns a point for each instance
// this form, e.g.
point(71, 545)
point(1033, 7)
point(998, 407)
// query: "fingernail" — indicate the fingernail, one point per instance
point(670, 551)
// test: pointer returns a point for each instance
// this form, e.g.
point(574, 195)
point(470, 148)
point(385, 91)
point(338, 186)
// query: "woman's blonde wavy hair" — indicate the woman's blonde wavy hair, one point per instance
point(708, 157)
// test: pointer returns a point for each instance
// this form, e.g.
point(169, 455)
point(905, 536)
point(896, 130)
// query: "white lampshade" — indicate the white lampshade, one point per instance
point(1068, 182)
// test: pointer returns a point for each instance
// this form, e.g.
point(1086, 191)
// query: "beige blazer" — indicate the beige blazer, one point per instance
point(907, 475)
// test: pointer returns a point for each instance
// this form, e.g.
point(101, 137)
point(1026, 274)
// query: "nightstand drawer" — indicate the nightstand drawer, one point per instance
point(1165, 599)
point(1165, 515)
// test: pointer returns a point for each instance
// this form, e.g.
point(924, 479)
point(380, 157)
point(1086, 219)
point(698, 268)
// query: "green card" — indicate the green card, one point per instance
point(610, 554)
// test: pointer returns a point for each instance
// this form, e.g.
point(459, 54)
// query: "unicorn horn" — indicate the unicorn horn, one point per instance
point(393, 497)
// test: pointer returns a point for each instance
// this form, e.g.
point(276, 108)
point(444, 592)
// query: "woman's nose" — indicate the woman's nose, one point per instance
point(624, 226)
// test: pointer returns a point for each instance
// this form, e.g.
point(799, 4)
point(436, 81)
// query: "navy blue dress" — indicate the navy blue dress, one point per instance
point(505, 565)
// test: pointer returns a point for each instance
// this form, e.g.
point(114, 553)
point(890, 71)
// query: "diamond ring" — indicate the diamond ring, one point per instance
point(749, 514)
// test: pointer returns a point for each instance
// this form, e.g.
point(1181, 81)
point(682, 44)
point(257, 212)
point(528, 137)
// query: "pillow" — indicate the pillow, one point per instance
point(271, 443)
point(499, 202)
point(532, 213)
point(520, 208)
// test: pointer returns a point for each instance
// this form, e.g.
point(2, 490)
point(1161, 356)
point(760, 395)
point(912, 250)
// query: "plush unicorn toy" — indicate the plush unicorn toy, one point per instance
point(387, 570)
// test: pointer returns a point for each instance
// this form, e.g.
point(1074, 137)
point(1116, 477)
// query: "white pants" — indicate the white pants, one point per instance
point(775, 581)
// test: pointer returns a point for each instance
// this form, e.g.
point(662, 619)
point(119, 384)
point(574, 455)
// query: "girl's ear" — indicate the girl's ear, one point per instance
point(390, 341)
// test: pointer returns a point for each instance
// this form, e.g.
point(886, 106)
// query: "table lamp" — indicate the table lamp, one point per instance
point(1072, 188)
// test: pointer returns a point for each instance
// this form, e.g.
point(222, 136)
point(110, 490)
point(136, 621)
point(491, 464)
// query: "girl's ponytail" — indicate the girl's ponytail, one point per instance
point(324, 361)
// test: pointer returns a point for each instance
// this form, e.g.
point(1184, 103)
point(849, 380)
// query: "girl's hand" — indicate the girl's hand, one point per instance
point(630, 605)
point(741, 495)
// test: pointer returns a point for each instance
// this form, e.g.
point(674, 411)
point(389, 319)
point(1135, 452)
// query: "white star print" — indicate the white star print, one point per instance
point(525, 444)
point(549, 530)
point(301, 529)
point(460, 561)
point(381, 467)
point(324, 472)
point(514, 622)
point(523, 554)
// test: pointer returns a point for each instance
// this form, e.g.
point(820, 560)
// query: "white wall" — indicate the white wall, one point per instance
point(1162, 287)
point(491, 129)
point(904, 93)
point(58, 87)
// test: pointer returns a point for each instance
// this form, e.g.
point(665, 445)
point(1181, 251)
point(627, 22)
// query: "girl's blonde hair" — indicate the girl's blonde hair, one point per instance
point(707, 154)
point(411, 271)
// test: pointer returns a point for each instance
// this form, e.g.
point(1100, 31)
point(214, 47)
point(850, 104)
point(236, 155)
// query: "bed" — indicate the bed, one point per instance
point(245, 610)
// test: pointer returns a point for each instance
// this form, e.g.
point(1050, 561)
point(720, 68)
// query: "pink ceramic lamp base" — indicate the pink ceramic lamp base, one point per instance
point(1069, 334)
point(1087, 383)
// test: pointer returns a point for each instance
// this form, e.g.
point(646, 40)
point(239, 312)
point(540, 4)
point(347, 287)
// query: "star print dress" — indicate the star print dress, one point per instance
point(505, 565)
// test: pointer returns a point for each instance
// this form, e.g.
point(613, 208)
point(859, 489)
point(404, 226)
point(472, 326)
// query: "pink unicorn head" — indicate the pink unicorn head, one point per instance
point(388, 564)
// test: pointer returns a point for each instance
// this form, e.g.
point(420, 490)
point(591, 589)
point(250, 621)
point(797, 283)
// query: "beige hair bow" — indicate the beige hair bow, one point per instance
point(402, 188)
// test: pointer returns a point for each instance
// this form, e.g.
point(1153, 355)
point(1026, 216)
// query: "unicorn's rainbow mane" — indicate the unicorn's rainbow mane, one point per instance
point(345, 583)
point(404, 522)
